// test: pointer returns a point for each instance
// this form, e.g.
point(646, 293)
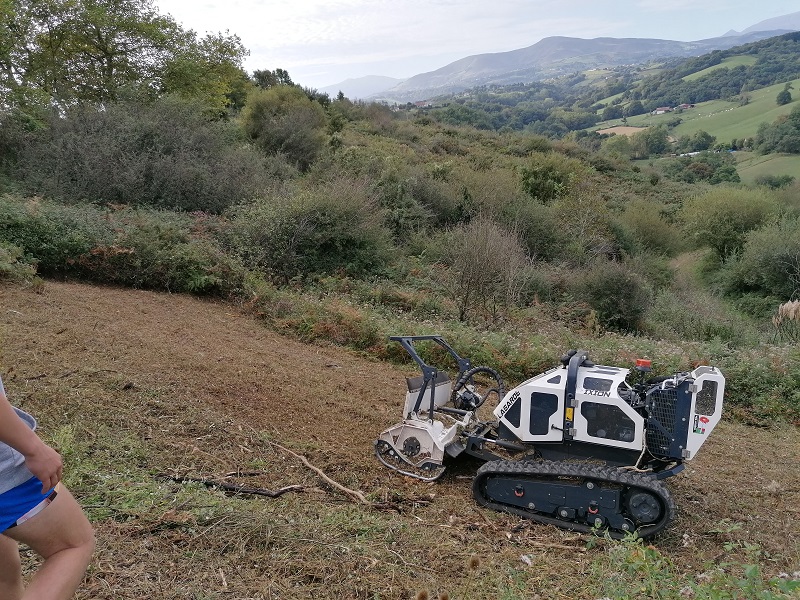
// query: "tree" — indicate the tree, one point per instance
point(783, 97)
point(264, 78)
point(652, 140)
point(210, 70)
point(612, 112)
point(634, 108)
point(618, 146)
point(83, 49)
point(60, 52)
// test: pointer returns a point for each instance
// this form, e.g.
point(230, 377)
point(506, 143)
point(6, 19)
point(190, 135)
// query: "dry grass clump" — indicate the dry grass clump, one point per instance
point(787, 321)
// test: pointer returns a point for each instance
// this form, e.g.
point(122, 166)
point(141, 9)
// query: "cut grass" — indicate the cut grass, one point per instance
point(132, 385)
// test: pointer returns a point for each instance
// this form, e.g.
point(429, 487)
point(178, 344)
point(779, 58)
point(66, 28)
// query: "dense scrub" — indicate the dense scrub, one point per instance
point(510, 246)
point(348, 221)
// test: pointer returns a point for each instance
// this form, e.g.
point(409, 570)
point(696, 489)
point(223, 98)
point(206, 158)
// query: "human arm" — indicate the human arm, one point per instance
point(41, 459)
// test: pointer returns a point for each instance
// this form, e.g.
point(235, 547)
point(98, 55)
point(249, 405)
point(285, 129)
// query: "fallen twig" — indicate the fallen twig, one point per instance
point(353, 494)
point(239, 489)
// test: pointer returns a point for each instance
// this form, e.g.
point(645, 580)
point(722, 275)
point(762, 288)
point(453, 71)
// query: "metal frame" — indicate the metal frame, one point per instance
point(429, 373)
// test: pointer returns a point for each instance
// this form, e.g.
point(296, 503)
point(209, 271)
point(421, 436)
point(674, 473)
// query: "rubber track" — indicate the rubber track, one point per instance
point(596, 473)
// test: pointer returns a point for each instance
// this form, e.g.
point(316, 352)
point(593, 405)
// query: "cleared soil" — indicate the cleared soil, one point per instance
point(136, 387)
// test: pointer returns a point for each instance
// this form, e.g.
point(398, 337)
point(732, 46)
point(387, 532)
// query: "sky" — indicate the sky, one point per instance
point(325, 42)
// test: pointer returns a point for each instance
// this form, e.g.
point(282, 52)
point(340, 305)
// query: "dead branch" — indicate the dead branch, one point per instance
point(352, 494)
point(239, 489)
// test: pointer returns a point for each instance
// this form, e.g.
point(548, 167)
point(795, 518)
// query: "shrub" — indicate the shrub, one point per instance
point(160, 251)
point(336, 227)
point(283, 120)
point(51, 235)
point(649, 229)
point(547, 177)
point(774, 181)
point(584, 221)
point(618, 295)
point(13, 266)
point(538, 226)
point(681, 315)
point(487, 267)
point(722, 217)
point(769, 263)
point(138, 248)
point(166, 154)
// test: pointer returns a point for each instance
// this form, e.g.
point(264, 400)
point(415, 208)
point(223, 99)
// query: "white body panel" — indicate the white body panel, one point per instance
point(535, 423)
point(602, 416)
point(709, 386)
point(442, 392)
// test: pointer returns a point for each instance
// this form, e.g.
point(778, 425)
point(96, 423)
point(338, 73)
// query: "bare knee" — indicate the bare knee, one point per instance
point(88, 542)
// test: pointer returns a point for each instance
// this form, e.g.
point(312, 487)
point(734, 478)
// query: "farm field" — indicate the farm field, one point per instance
point(722, 119)
point(750, 166)
point(143, 392)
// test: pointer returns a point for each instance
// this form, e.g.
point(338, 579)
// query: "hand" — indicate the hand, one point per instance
point(45, 463)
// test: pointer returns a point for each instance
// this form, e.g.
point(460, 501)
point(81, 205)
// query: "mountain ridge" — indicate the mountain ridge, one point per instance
point(550, 57)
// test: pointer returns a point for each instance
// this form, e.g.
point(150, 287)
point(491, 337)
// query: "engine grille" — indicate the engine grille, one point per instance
point(662, 405)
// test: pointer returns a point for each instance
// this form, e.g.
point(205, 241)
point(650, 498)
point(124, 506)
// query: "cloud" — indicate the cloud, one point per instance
point(321, 42)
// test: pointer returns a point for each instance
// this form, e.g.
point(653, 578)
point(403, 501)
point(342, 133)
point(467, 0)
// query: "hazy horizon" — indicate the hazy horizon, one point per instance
point(325, 42)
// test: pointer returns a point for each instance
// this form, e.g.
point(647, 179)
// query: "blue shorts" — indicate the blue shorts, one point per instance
point(19, 504)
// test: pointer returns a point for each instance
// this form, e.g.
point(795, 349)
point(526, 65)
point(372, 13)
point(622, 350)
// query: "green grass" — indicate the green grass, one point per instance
point(750, 166)
point(727, 120)
point(722, 119)
point(729, 63)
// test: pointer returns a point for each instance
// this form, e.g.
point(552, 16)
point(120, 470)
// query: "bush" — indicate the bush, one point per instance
point(547, 177)
point(538, 226)
point(13, 266)
point(681, 315)
point(336, 227)
point(283, 120)
point(143, 249)
point(163, 251)
point(51, 235)
point(722, 217)
point(769, 263)
point(774, 181)
point(487, 267)
point(619, 296)
point(166, 154)
point(650, 230)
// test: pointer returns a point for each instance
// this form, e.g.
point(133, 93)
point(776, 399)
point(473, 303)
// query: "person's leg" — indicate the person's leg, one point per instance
point(10, 569)
point(62, 535)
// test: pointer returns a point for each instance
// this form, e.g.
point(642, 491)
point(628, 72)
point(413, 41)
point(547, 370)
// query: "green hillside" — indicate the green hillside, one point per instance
point(752, 166)
point(727, 120)
point(729, 63)
point(723, 119)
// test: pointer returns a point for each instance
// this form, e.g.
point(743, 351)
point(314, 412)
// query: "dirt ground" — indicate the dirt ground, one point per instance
point(139, 386)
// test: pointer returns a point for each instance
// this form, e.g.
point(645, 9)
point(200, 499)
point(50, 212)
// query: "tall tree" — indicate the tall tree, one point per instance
point(74, 50)
point(210, 70)
point(66, 51)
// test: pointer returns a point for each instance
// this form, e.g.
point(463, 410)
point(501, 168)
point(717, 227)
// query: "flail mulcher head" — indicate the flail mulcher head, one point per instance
point(582, 446)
